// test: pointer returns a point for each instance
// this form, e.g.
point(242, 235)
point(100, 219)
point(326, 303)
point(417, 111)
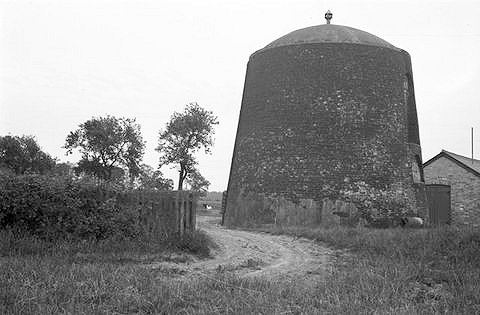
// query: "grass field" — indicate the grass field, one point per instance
point(402, 270)
point(381, 271)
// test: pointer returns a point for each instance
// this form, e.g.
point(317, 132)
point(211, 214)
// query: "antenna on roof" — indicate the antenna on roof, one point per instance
point(472, 145)
point(328, 16)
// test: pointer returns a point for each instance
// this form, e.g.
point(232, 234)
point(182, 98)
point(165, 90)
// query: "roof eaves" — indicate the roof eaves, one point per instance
point(453, 159)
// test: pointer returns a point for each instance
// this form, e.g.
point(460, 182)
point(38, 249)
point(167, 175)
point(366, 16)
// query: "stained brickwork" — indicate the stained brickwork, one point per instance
point(317, 116)
point(465, 189)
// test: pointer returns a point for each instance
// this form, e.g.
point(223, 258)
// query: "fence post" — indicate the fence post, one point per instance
point(193, 211)
point(181, 212)
point(224, 205)
point(177, 212)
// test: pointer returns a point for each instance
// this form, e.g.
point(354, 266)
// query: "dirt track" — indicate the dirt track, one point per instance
point(257, 254)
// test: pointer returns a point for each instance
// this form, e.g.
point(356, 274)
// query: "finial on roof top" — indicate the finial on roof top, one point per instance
point(328, 16)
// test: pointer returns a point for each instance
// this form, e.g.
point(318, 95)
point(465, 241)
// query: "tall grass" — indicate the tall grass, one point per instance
point(434, 270)
point(106, 288)
point(383, 272)
point(13, 246)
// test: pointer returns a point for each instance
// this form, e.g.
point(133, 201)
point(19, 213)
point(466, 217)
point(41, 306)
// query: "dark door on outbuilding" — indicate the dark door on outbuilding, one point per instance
point(438, 198)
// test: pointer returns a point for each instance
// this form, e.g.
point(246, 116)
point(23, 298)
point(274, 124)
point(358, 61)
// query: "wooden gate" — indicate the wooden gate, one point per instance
point(438, 198)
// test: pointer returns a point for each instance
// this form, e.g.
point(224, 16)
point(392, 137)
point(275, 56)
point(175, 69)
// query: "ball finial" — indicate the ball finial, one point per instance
point(328, 16)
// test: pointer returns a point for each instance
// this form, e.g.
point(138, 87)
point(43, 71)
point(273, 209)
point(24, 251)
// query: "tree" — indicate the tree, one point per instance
point(197, 182)
point(23, 155)
point(153, 179)
point(184, 135)
point(106, 144)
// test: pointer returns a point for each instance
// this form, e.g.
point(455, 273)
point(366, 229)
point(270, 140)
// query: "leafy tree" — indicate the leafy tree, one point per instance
point(197, 182)
point(184, 135)
point(106, 144)
point(153, 179)
point(23, 155)
point(93, 168)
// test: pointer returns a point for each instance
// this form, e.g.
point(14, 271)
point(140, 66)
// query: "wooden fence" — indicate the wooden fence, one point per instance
point(185, 211)
point(164, 212)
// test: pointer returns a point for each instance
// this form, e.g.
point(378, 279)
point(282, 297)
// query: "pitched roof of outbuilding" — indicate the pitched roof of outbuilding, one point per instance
point(471, 165)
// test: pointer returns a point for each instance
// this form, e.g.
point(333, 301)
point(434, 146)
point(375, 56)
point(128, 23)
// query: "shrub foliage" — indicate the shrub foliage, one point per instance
point(22, 155)
point(62, 207)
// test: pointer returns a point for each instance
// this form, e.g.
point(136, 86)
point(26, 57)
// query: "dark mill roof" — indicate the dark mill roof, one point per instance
point(330, 33)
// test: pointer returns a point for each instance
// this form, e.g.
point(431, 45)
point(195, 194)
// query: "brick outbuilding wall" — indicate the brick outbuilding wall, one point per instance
point(465, 189)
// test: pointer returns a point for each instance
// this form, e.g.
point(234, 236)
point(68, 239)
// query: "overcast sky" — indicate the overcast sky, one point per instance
point(62, 62)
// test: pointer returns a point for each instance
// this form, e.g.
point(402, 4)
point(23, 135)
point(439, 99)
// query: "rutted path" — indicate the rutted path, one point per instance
point(258, 254)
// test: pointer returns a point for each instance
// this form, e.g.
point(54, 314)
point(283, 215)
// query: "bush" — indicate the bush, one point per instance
point(53, 207)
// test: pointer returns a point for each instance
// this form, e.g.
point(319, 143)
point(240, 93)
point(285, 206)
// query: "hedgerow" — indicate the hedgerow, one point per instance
point(62, 207)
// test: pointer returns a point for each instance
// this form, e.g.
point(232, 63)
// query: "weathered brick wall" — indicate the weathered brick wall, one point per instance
point(316, 117)
point(465, 189)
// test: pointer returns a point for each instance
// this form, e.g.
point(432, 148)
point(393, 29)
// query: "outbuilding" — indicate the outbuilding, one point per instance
point(453, 189)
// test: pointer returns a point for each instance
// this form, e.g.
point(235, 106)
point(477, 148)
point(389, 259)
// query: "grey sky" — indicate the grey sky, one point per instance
point(62, 62)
